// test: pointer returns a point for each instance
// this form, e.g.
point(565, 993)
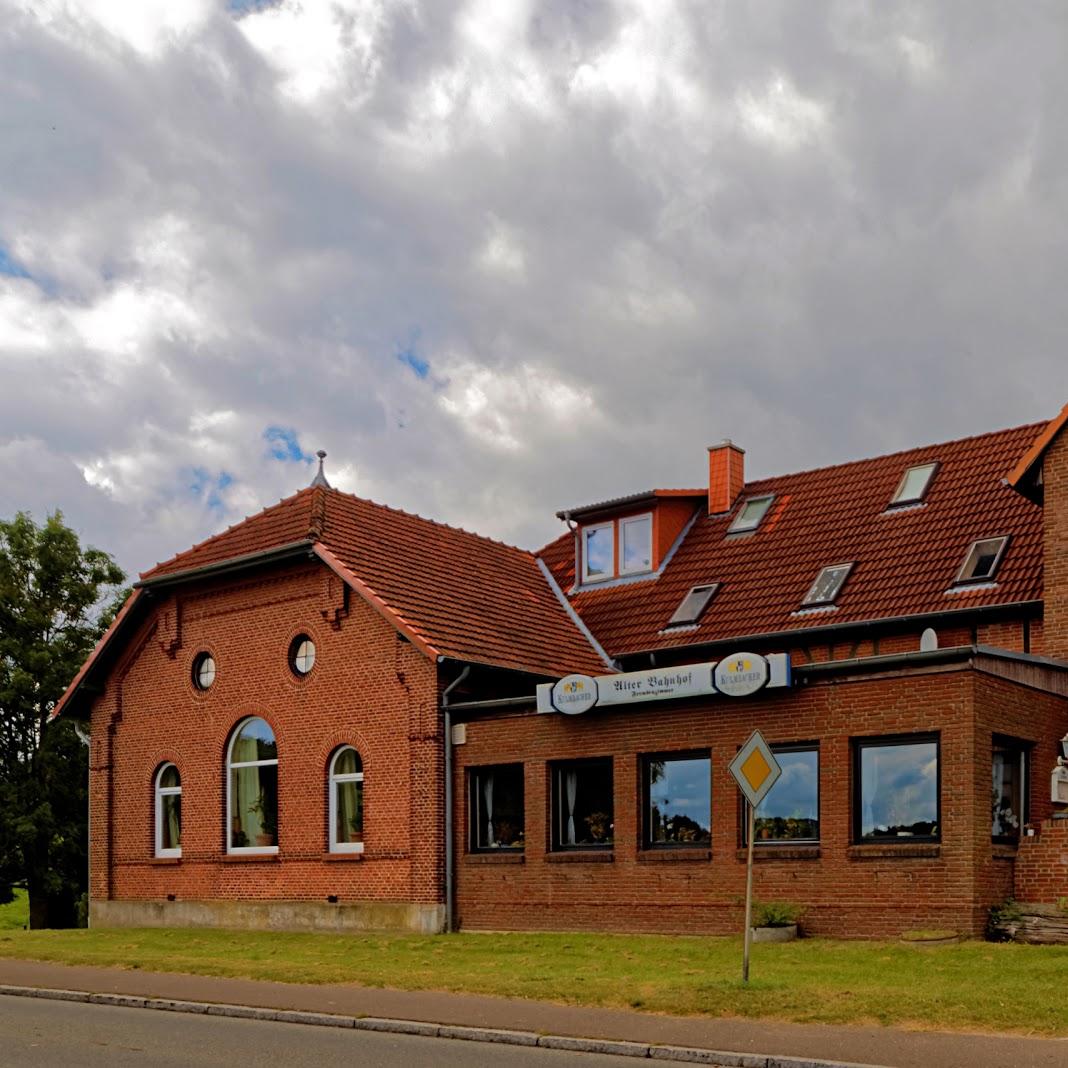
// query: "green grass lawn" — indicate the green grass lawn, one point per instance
point(16, 914)
point(974, 986)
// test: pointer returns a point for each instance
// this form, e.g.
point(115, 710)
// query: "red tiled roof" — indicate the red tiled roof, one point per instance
point(1038, 449)
point(906, 560)
point(456, 593)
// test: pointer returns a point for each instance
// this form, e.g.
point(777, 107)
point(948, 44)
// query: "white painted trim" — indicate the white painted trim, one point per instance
point(583, 531)
point(243, 850)
point(159, 793)
point(623, 523)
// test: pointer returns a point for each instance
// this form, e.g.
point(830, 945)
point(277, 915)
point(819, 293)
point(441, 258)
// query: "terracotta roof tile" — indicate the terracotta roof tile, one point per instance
point(905, 560)
point(470, 597)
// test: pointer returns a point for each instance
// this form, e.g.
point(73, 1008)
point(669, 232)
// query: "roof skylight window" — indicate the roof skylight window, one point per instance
point(914, 485)
point(827, 585)
point(981, 563)
point(751, 514)
point(693, 605)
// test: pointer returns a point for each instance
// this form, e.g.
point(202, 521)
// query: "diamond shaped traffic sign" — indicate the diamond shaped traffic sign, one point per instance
point(755, 769)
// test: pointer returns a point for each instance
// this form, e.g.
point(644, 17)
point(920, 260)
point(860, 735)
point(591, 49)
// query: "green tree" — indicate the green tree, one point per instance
point(54, 606)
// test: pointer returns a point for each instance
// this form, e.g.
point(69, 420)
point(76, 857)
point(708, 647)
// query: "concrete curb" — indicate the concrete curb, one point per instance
point(678, 1054)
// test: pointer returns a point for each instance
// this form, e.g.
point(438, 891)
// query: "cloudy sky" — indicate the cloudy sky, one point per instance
point(502, 258)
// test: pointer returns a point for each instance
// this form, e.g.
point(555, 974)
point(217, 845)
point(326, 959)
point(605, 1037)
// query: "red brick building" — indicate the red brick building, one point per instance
point(270, 711)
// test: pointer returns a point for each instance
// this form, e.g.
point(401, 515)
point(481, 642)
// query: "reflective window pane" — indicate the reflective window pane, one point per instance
point(899, 790)
point(169, 777)
point(790, 812)
point(254, 806)
point(679, 811)
point(347, 762)
point(254, 742)
point(597, 551)
point(637, 548)
point(1008, 793)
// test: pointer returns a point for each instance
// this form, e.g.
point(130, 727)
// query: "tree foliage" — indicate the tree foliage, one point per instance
point(56, 599)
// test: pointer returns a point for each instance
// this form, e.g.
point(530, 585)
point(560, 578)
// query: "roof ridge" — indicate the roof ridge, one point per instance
point(899, 452)
point(434, 522)
point(222, 533)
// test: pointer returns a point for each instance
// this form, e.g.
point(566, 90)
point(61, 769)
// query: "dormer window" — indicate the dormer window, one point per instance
point(693, 605)
point(751, 514)
point(635, 544)
point(914, 484)
point(828, 583)
point(598, 561)
point(981, 563)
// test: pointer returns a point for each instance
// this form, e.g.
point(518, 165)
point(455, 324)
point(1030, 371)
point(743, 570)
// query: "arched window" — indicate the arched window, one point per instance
point(252, 789)
point(346, 802)
point(168, 812)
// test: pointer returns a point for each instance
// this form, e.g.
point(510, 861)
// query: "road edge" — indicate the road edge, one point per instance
point(652, 1051)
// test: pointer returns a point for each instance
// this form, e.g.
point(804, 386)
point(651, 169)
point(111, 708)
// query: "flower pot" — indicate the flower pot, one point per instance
point(355, 836)
point(775, 934)
point(264, 840)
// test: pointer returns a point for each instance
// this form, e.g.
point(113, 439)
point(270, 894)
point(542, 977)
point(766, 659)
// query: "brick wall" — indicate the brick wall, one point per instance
point(1055, 548)
point(369, 688)
point(847, 889)
point(1042, 865)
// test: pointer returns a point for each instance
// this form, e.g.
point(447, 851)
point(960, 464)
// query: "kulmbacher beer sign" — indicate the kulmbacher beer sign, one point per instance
point(737, 675)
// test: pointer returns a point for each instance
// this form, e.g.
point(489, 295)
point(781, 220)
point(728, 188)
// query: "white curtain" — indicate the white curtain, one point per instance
point(571, 783)
point(487, 794)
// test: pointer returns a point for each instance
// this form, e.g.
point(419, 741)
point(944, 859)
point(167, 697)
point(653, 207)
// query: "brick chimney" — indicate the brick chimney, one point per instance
point(726, 476)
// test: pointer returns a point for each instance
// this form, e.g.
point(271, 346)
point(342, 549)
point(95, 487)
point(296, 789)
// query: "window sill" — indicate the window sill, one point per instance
point(495, 858)
point(580, 858)
point(895, 852)
point(250, 858)
point(762, 853)
point(347, 856)
point(667, 856)
point(164, 860)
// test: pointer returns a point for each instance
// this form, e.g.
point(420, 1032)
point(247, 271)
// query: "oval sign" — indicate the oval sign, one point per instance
point(574, 694)
point(741, 674)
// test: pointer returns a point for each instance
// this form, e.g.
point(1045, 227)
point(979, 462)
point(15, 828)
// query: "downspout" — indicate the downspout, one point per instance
point(450, 859)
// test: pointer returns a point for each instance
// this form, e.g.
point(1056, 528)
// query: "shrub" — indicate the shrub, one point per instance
point(1003, 921)
point(775, 914)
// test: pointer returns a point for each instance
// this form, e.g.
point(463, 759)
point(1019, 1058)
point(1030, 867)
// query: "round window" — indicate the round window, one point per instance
point(301, 654)
point(203, 670)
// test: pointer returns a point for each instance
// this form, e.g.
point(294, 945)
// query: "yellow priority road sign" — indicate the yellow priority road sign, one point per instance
point(755, 769)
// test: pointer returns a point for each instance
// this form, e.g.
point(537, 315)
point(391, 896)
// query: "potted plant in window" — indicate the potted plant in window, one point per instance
point(268, 817)
point(775, 921)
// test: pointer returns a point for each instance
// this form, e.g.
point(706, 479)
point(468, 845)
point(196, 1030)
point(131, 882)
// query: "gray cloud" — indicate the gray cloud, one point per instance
point(614, 232)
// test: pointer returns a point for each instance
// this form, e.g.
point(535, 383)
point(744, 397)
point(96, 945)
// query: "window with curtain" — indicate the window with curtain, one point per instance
point(346, 801)
point(252, 789)
point(496, 810)
point(678, 800)
point(582, 804)
point(168, 812)
point(791, 810)
point(895, 787)
point(1008, 790)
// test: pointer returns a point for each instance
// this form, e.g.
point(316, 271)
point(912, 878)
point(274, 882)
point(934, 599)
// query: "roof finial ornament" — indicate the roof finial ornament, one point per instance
point(320, 478)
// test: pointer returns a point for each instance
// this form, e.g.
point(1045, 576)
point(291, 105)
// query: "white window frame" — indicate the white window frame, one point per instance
point(611, 572)
point(738, 527)
point(160, 792)
point(966, 580)
point(897, 501)
point(335, 778)
point(230, 765)
point(623, 524)
point(810, 600)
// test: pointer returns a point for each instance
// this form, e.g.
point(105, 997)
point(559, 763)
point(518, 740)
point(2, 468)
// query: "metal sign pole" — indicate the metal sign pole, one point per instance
point(748, 892)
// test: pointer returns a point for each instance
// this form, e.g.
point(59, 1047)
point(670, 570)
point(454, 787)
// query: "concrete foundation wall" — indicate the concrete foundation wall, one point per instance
point(271, 915)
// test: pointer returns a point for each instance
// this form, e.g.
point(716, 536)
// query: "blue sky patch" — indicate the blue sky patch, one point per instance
point(283, 445)
point(416, 362)
point(205, 486)
point(9, 267)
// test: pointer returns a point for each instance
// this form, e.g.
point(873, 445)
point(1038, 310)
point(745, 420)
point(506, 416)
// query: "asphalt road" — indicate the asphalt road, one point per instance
point(36, 1033)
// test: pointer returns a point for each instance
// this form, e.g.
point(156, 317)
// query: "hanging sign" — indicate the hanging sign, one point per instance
point(738, 675)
